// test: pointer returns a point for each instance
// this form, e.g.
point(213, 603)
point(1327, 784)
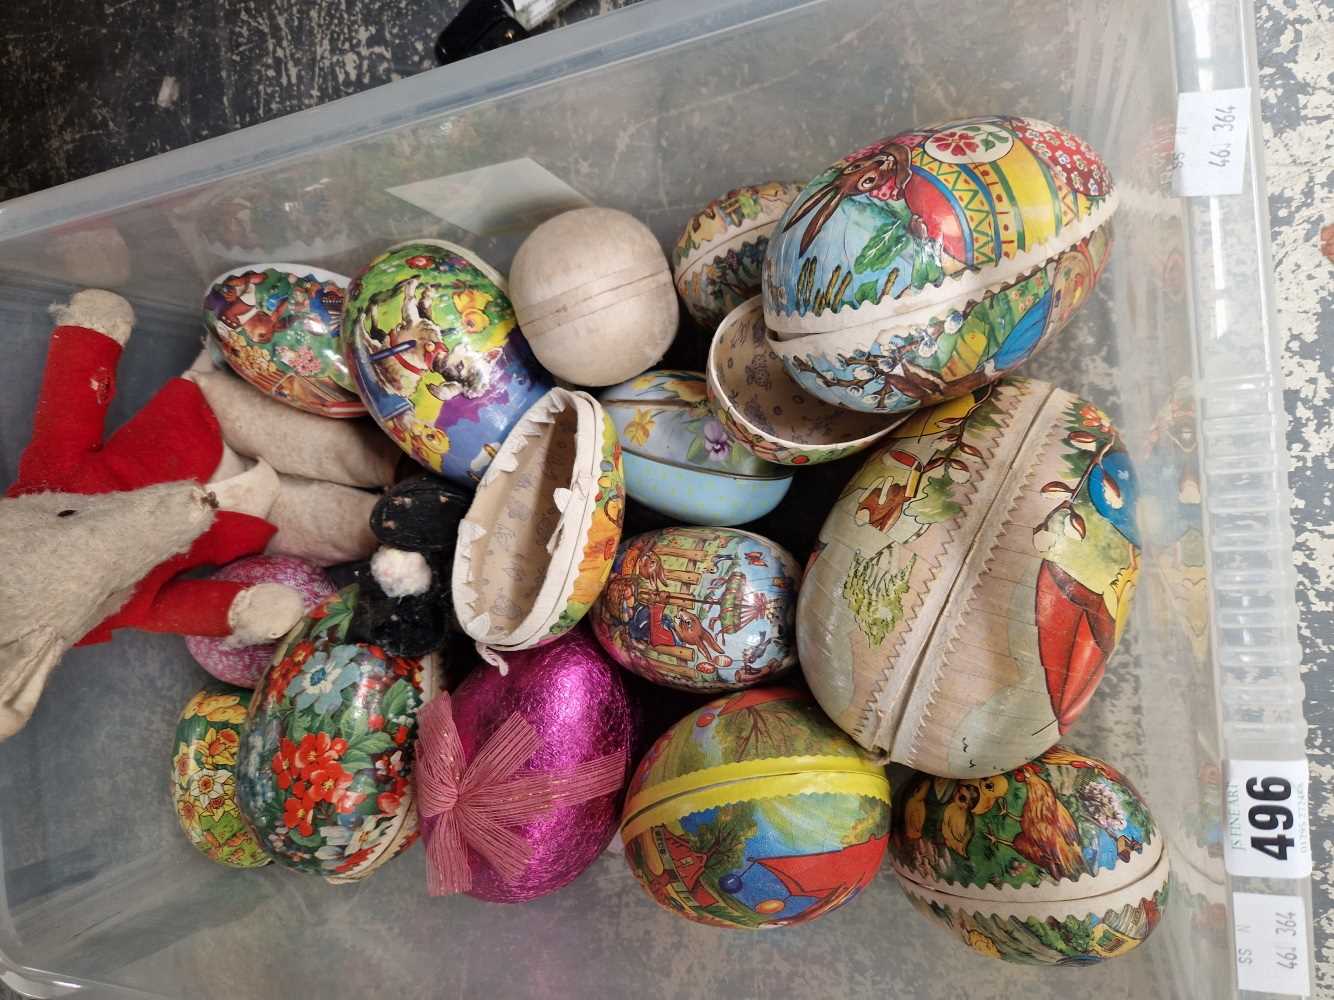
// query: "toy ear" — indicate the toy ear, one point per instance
point(817, 222)
point(902, 164)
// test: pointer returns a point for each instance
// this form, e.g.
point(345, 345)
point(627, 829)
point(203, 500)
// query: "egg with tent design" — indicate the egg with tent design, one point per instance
point(933, 262)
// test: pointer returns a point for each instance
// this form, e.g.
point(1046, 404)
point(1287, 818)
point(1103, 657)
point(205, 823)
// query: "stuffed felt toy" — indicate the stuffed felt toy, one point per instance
point(162, 495)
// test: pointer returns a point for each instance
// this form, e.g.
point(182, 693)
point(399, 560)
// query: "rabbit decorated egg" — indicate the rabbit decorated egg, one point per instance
point(974, 576)
point(680, 460)
point(326, 752)
point(440, 362)
point(766, 412)
point(537, 543)
point(593, 293)
point(203, 770)
point(278, 326)
point(717, 260)
point(722, 826)
point(933, 262)
point(704, 609)
point(1057, 862)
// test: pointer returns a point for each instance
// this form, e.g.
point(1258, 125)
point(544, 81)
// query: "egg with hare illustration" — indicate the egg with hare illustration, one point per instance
point(1057, 862)
point(930, 263)
point(972, 580)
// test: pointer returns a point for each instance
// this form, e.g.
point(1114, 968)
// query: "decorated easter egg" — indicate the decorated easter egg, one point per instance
point(326, 752)
point(769, 414)
point(972, 580)
point(593, 294)
point(718, 259)
point(680, 460)
point(704, 609)
point(203, 771)
point(1057, 862)
point(573, 716)
point(278, 326)
point(755, 811)
point(933, 262)
point(439, 360)
point(537, 543)
point(244, 665)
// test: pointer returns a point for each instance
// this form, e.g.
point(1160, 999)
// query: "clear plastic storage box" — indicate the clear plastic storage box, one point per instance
point(656, 109)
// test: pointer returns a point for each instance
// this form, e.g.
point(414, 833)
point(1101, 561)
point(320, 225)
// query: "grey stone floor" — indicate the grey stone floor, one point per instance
point(90, 84)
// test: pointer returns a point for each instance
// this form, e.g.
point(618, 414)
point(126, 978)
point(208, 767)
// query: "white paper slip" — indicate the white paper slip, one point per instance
point(1211, 142)
point(502, 197)
point(1271, 943)
point(1268, 833)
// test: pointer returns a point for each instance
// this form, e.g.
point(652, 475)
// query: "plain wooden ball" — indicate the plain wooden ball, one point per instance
point(593, 294)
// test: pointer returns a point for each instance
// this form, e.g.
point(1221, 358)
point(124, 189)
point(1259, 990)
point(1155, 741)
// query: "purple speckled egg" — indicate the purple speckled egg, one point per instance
point(244, 665)
point(575, 698)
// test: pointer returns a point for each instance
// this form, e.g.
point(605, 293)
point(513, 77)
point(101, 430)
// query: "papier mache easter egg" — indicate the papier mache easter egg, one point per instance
point(537, 543)
point(933, 262)
point(203, 771)
point(278, 326)
point(439, 360)
point(593, 293)
point(680, 460)
point(702, 609)
point(1057, 862)
point(972, 580)
point(754, 811)
point(326, 753)
point(718, 259)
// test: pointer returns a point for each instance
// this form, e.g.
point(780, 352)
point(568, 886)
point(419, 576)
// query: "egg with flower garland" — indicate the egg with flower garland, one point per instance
point(1058, 862)
point(325, 770)
point(203, 787)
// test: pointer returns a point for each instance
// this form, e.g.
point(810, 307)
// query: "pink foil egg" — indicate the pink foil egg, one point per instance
point(244, 665)
point(575, 700)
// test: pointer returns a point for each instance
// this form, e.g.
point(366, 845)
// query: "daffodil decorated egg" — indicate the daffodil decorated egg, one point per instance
point(680, 459)
point(755, 811)
point(325, 768)
point(972, 580)
point(717, 260)
point(439, 360)
point(930, 263)
point(1057, 862)
point(701, 609)
point(203, 771)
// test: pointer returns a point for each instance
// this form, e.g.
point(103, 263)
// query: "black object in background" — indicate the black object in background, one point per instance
point(482, 25)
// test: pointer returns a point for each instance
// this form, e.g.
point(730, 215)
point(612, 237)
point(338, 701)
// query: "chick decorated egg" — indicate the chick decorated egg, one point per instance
point(703, 609)
point(203, 771)
point(278, 326)
point(439, 360)
point(680, 460)
point(718, 259)
point(933, 262)
point(1057, 862)
point(972, 580)
point(536, 546)
point(755, 811)
point(326, 756)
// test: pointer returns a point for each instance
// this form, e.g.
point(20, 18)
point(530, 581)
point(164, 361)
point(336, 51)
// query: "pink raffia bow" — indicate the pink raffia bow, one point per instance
point(474, 803)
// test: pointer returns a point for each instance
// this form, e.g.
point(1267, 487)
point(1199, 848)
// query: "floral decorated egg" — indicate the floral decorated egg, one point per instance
point(722, 826)
point(933, 262)
point(766, 412)
point(718, 259)
point(536, 546)
point(703, 609)
point(278, 326)
point(680, 460)
point(439, 360)
point(972, 580)
point(326, 756)
point(1057, 862)
point(203, 771)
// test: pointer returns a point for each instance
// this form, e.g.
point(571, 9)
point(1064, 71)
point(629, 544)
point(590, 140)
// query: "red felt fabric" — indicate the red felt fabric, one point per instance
point(174, 437)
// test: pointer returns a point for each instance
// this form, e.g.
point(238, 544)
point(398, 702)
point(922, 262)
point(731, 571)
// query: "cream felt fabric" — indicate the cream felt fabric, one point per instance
point(263, 613)
point(252, 490)
point(322, 522)
point(117, 537)
point(296, 443)
point(94, 309)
